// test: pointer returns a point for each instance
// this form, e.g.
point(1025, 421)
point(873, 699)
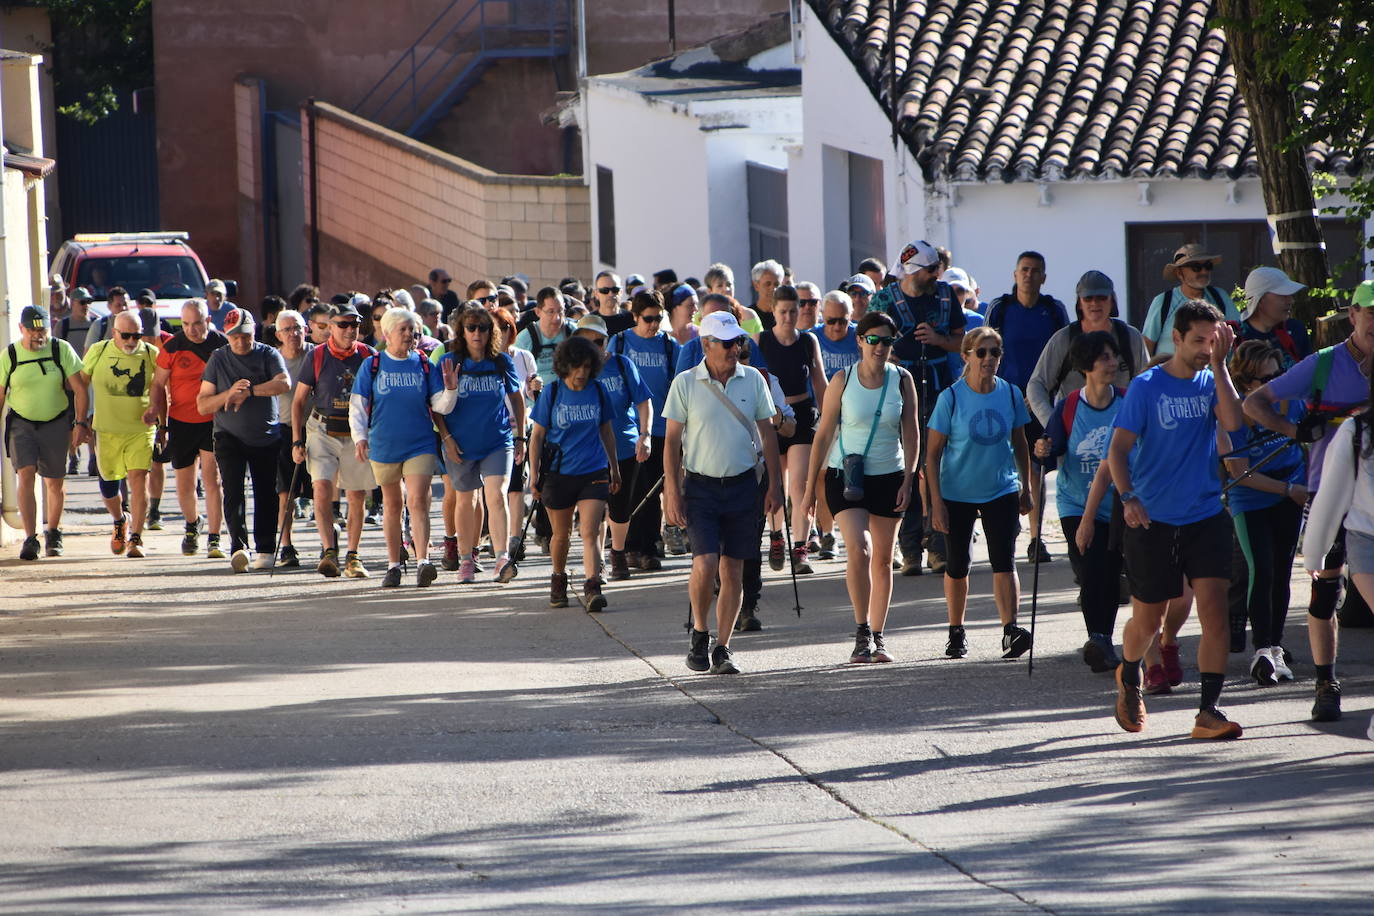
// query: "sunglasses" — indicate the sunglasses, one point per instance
point(126, 335)
point(476, 329)
point(837, 321)
point(377, 316)
point(731, 343)
point(487, 300)
point(345, 324)
point(878, 340)
point(985, 352)
point(651, 319)
point(607, 290)
point(806, 302)
point(1200, 266)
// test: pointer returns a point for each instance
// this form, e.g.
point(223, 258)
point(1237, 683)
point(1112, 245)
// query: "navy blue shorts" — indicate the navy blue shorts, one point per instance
point(723, 515)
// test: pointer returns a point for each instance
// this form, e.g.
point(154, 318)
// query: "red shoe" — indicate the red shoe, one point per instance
point(1156, 681)
point(1172, 669)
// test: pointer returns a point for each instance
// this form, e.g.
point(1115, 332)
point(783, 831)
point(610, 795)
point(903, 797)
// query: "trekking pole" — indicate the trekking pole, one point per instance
point(1269, 438)
point(529, 517)
point(1035, 575)
point(791, 561)
point(286, 517)
point(648, 496)
point(1255, 467)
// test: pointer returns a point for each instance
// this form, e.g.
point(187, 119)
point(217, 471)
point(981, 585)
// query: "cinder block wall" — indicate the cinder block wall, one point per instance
point(391, 208)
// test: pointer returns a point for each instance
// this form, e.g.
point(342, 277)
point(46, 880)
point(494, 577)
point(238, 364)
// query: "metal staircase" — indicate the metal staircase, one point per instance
point(464, 41)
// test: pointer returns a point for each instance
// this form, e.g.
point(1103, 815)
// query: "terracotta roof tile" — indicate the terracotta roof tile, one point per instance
point(1049, 89)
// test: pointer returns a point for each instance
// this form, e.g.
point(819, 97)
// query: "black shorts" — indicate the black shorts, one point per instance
point(805, 432)
point(286, 468)
point(880, 494)
point(564, 491)
point(185, 442)
point(1160, 557)
point(519, 477)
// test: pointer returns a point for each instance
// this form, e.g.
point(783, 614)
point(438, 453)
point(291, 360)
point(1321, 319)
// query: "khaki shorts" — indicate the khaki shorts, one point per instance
point(116, 454)
point(392, 472)
point(335, 459)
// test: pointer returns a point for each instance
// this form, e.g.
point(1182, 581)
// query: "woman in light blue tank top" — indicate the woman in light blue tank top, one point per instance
point(869, 413)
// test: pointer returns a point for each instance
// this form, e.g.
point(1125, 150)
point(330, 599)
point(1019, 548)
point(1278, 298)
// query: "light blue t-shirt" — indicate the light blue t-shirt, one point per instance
point(572, 421)
point(400, 427)
point(619, 372)
point(978, 464)
point(1174, 462)
point(857, 410)
point(1084, 448)
point(837, 356)
point(480, 421)
point(655, 358)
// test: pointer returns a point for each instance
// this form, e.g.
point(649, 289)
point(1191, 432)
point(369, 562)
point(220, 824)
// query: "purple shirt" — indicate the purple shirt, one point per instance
point(1347, 388)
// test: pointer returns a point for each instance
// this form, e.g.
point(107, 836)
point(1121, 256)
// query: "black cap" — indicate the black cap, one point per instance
point(346, 311)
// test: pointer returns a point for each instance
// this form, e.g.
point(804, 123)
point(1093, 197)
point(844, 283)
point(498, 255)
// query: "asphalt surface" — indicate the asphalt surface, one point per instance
point(175, 738)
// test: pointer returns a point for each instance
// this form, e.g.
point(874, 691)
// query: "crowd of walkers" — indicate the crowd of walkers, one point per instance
point(659, 417)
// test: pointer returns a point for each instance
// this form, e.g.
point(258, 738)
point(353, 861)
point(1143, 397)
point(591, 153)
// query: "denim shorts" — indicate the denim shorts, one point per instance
point(1359, 551)
point(723, 515)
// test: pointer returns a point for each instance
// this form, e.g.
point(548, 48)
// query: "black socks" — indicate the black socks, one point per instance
point(1130, 672)
point(1211, 689)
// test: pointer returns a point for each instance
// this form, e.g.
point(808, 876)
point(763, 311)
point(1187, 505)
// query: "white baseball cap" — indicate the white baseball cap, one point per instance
point(721, 326)
point(916, 255)
point(1264, 280)
point(957, 276)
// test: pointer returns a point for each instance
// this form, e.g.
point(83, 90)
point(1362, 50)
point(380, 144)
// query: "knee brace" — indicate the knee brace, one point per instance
point(1326, 597)
point(109, 489)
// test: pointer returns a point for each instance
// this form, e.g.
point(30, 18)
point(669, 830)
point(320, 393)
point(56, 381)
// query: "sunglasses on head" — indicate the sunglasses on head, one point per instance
point(607, 290)
point(837, 321)
point(985, 352)
point(878, 340)
point(651, 319)
point(128, 335)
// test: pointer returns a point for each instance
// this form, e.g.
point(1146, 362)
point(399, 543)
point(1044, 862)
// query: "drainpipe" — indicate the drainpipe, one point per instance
point(314, 198)
point(9, 483)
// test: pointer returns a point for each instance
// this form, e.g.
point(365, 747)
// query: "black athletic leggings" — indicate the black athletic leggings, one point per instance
point(1001, 524)
point(645, 526)
point(1266, 540)
point(619, 503)
point(1099, 575)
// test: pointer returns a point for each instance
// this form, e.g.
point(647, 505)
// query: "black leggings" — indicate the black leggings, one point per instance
point(619, 504)
point(1001, 524)
point(1099, 574)
point(1266, 541)
point(645, 526)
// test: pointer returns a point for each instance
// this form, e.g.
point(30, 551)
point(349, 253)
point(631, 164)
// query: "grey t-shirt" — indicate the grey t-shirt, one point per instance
point(255, 422)
point(294, 367)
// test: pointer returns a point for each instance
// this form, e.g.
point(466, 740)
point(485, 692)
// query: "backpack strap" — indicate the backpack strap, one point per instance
point(1286, 341)
point(1326, 358)
point(1123, 341)
point(1075, 331)
point(1069, 409)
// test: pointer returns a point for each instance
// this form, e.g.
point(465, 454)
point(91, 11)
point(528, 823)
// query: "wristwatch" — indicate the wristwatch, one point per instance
point(85, 423)
point(1129, 496)
point(299, 443)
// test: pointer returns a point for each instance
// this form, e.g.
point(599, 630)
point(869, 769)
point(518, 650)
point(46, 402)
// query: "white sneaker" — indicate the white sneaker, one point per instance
point(239, 561)
point(1262, 668)
point(264, 561)
point(1281, 669)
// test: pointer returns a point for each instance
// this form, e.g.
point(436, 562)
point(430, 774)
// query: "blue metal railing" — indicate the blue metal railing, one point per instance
point(466, 38)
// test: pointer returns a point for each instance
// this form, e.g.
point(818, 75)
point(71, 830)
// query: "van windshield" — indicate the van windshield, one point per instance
point(170, 277)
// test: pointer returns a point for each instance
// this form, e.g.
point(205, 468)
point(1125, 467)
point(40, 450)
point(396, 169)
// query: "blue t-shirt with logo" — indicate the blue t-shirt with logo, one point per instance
point(978, 464)
point(572, 421)
point(1084, 448)
point(480, 421)
point(626, 388)
point(837, 356)
point(400, 427)
point(1289, 465)
point(655, 358)
point(1174, 462)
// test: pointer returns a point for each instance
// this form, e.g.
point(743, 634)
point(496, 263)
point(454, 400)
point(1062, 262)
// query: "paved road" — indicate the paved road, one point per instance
point(174, 738)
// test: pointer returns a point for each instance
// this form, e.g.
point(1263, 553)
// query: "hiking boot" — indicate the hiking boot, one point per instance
point(649, 562)
point(880, 653)
point(1099, 653)
point(506, 570)
point(799, 564)
point(542, 542)
point(239, 560)
point(1037, 552)
point(52, 542)
point(1156, 682)
point(353, 567)
point(1211, 724)
point(776, 551)
point(863, 646)
point(591, 595)
point(212, 549)
point(827, 548)
point(1015, 642)
point(467, 572)
point(698, 652)
point(1280, 658)
point(912, 566)
point(119, 540)
point(957, 646)
point(392, 578)
point(747, 621)
point(329, 563)
point(558, 590)
point(1327, 708)
point(673, 541)
point(289, 557)
point(264, 561)
point(154, 520)
point(425, 574)
point(936, 560)
point(1173, 671)
point(190, 541)
point(450, 561)
point(634, 559)
point(30, 549)
point(135, 550)
point(813, 543)
point(476, 563)
point(620, 565)
point(1262, 668)
point(721, 662)
point(1130, 705)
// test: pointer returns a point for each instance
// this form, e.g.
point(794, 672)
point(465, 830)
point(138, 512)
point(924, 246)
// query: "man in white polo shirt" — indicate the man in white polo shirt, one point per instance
point(718, 431)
